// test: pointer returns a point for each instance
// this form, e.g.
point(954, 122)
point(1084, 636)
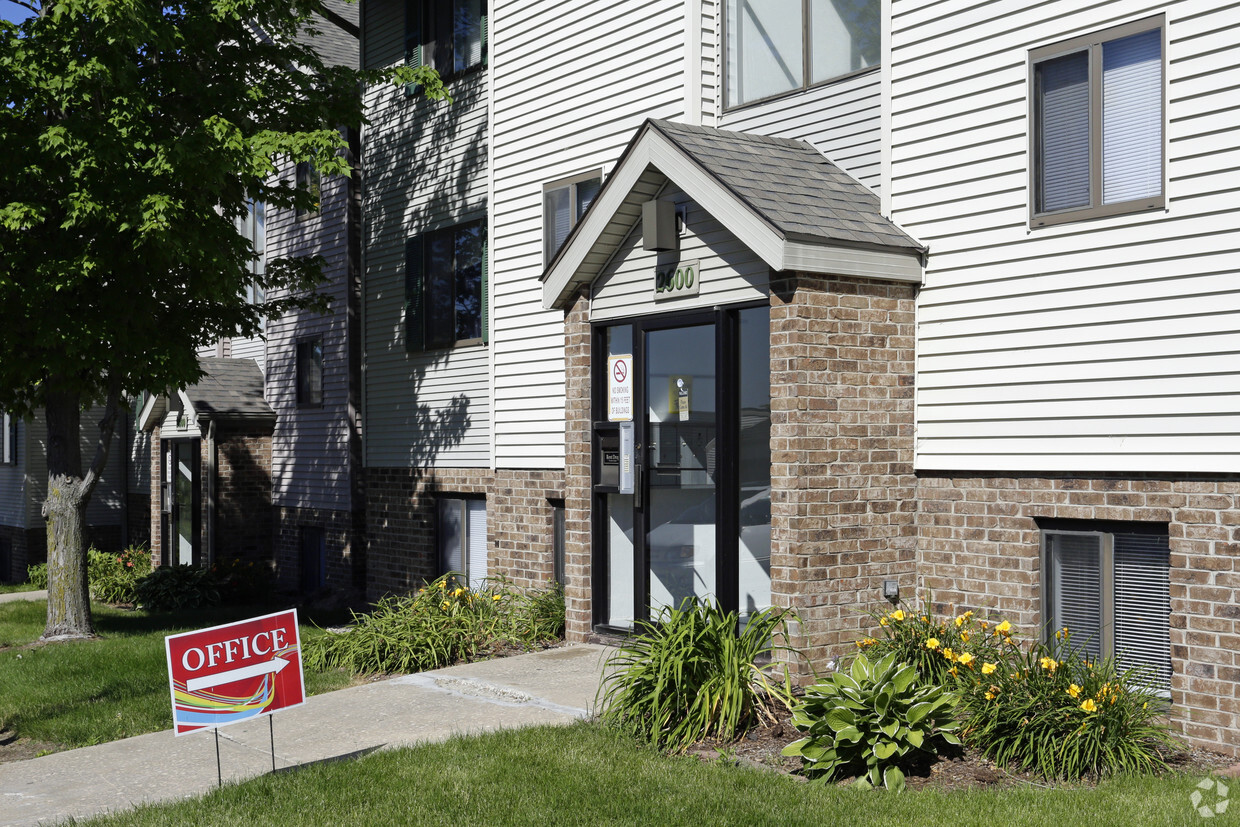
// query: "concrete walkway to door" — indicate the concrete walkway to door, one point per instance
point(555, 686)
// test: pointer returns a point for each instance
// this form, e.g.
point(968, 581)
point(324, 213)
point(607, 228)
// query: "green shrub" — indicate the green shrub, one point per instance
point(872, 721)
point(37, 575)
point(443, 623)
point(934, 645)
point(114, 578)
point(242, 581)
point(171, 588)
point(688, 675)
point(1052, 710)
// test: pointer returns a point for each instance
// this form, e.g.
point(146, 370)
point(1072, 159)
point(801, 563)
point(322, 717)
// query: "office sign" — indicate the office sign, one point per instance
point(234, 672)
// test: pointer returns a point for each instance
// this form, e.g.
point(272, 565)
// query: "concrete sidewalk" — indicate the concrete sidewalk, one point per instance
point(12, 597)
point(556, 686)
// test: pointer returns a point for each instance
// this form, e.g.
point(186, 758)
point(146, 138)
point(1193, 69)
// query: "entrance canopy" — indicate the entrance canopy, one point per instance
point(231, 390)
point(794, 208)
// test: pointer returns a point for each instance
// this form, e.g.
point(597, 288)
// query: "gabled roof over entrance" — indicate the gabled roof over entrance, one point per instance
point(794, 208)
point(231, 390)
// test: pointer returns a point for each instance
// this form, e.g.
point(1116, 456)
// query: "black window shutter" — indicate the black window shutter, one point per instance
point(486, 326)
point(415, 305)
point(413, 41)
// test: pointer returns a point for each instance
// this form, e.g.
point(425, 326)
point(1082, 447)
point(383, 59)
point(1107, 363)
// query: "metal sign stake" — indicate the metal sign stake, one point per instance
point(271, 730)
point(219, 775)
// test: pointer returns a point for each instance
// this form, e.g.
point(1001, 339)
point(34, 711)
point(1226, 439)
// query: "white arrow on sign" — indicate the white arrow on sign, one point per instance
point(273, 665)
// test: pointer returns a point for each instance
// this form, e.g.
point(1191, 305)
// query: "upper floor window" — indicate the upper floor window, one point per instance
point(1097, 132)
point(564, 203)
point(776, 46)
point(8, 440)
point(310, 373)
point(309, 180)
point(446, 287)
point(450, 36)
point(253, 227)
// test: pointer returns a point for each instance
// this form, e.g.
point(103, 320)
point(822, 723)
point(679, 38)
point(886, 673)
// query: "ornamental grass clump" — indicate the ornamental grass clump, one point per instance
point(689, 675)
point(872, 721)
point(442, 624)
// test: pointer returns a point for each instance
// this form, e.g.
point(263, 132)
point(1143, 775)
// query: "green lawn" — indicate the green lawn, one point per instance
point(586, 775)
point(89, 692)
point(6, 588)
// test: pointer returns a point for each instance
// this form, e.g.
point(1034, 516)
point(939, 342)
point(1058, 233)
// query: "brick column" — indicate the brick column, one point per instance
point(577, 555)
point(842, 484)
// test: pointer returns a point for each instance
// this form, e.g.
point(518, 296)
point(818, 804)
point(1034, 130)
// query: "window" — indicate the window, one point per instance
point(253, 227)
point(558, 545)
point(1111, 589)
point(310, 373)
point(308, 180)
point(1098, 124)
point(564, 203)
point(446, 287)
point(450, 36)
point(313, 552)
point(776, 46)
point(8, 441)
point(463, 538)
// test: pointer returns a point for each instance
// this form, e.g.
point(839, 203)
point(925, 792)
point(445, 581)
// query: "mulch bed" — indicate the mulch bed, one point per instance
point(962, 770)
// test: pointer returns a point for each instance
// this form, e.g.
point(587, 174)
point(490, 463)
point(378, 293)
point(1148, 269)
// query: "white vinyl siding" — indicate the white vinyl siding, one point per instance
point(572, 83)
point(1088, 347)
point(728, 271)
point(310, 458)
point(841, 119)
point(426, 169)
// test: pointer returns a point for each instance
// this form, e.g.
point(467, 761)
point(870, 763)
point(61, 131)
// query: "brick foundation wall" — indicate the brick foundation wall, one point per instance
point(23, 547)
point(344, 546)
point(979, 548)
point(842, 483)
point(401, 515)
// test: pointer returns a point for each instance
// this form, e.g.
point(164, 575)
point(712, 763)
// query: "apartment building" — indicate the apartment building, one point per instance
point(798, 303)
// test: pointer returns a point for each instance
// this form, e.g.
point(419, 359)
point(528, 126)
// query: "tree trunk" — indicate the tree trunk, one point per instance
point(68, 492)
point(68, 594)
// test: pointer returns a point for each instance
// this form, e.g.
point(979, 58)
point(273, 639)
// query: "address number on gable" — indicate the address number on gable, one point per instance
point(680, 280)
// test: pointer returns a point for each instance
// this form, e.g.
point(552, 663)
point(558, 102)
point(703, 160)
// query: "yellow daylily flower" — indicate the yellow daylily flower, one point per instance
point(988, 668)
point(964, 636)
point(990, 696)
point(1049, 664)
point(1074, 690)
point(898, 614)
point(965, 658)
point(1089, 706)
point(1003, 628)
point(497, 597)
point(932, 643)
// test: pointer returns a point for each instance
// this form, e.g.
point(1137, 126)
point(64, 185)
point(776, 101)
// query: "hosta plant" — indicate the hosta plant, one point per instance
point(872, 721)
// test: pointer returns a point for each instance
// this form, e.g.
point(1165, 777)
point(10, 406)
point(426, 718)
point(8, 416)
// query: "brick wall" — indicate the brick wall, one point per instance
point(344, 541)
point(401, 516)
point(243, 511)
point(22, 547)
point(979, 548)
point(842, 484)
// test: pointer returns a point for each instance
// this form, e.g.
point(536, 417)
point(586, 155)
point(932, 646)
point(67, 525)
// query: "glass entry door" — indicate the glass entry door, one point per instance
point(696, 522)
point(681, 463)
point(180, 501)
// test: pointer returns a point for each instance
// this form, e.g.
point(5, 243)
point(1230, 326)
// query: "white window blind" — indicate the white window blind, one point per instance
point(451, 536)
point(9, 441)
point(466, 34)
point(559, 219)
point(1132, 117)
point(1143, 605)
point(1076, 588)
point(1063, 140)
point(844, 37)
point(765, 48)
point(477, 542)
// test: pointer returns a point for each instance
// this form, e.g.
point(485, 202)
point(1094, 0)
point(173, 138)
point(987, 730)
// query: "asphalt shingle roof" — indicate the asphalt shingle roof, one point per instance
point(789, 184)
point(232, 389)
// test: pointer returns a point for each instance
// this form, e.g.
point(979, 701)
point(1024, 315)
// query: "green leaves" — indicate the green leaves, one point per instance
point(869, 720)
